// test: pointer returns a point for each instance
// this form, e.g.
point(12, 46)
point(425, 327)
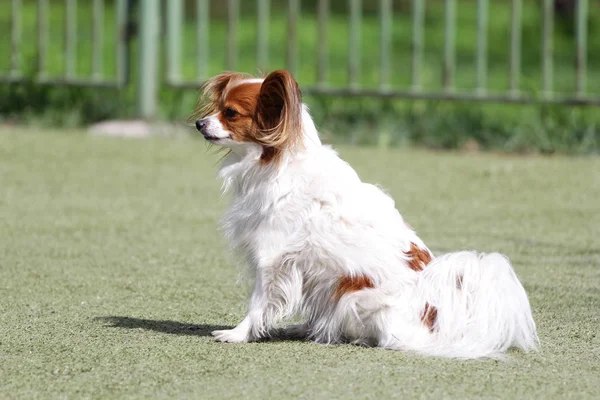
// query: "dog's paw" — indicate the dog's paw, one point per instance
point(230, 335)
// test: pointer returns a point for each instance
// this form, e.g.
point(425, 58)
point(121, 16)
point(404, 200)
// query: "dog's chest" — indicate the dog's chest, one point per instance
point(263, 218)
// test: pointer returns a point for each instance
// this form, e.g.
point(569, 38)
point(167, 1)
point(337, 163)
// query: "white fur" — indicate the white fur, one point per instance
point(304, 223)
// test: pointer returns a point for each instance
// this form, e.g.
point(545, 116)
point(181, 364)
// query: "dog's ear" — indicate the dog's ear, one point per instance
point(212, 93)
point(278, 115)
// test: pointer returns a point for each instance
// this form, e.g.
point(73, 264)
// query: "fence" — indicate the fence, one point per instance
point(70, 78)
point(150, 47)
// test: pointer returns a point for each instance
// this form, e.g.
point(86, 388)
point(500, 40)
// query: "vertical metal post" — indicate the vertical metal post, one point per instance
point(515, 46)
point(581, 58)
point(70, 38)
point(417, 43)
point(262, 34)
point(174, 23)
point(482, 29)
point(15, 38)
point(354, 43)
point(97, 38)
point(547, 27)
point(202, 42)
point(42, 37)
point(232, 22)
point(121, 52)
point(292, 45)
point(449, 45)
point(323, 19)
point(148, 61)
point(385, 42)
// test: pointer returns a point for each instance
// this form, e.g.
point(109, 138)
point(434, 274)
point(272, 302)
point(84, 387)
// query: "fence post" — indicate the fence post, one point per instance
point(147, 93)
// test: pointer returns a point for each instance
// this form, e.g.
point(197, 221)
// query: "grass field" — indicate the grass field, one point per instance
point(112, 274)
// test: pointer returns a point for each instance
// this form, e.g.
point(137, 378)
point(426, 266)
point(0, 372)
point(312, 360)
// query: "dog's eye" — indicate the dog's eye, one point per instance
point(230, 113)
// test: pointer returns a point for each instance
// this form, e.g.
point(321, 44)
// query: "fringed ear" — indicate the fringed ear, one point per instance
point(278, 115)
point(212, 93)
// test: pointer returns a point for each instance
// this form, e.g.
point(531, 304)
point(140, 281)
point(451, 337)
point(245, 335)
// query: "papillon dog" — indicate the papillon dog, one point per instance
point(333, 250)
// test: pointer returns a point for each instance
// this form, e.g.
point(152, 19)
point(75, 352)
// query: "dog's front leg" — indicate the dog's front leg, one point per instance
point(277, 292)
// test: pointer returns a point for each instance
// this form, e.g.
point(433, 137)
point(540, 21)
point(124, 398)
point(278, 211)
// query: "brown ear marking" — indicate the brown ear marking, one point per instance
point(212, 92)
point(429, 316)
point(278, 115)
point(418, 257)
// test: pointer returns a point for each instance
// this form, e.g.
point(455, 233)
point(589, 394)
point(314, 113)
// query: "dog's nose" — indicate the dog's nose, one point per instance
point(200, 125)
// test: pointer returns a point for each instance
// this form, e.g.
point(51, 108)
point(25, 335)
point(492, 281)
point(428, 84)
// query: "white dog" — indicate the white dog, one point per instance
point(326, 246)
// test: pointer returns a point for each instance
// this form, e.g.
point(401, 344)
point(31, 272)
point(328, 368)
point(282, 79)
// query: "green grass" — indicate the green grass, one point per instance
point(112, 273)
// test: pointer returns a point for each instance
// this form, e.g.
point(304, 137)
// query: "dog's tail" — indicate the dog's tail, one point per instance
point(475, 306)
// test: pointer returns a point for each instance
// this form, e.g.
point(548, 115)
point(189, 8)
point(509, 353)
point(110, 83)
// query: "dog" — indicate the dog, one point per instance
point(323, 245)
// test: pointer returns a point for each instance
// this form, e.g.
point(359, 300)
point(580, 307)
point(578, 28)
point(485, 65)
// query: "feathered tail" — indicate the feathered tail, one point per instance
point(481, 308)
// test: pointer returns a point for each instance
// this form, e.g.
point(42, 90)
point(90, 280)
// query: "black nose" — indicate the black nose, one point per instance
point(200, 125)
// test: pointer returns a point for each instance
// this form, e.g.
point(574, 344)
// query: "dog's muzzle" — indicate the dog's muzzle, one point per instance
point(201, 125)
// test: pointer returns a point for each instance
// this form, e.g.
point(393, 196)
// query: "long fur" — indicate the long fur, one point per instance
point(324, 245)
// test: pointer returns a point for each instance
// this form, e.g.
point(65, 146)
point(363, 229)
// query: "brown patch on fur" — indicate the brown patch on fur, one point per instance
point(242, 99)
point(278, 115)
point(429, 316)
point(212, 92)
point(349, 284)
point(418, 257)
point(459, 282)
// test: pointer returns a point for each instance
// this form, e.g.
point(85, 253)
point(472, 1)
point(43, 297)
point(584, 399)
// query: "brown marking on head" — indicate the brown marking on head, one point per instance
point(237, 109)
point(267, 113)
point(429, 316)
point(349, 284)
point(278, 115)
point(212, 93)
point(418, 257)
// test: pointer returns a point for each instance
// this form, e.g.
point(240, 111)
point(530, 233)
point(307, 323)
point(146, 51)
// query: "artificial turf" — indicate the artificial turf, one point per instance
point(113, 272)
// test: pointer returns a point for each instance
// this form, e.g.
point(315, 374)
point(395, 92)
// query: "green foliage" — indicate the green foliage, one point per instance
point(59, 105)
point(364, 121)
point(444, 125)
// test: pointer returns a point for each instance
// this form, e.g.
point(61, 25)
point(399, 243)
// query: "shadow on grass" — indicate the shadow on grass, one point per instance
point(179, 328)
point(164, 326)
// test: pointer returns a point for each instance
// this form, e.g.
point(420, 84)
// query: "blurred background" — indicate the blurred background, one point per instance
point(509, 75)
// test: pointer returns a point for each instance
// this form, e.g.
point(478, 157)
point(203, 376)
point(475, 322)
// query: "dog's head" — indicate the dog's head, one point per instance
point(237, 111)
